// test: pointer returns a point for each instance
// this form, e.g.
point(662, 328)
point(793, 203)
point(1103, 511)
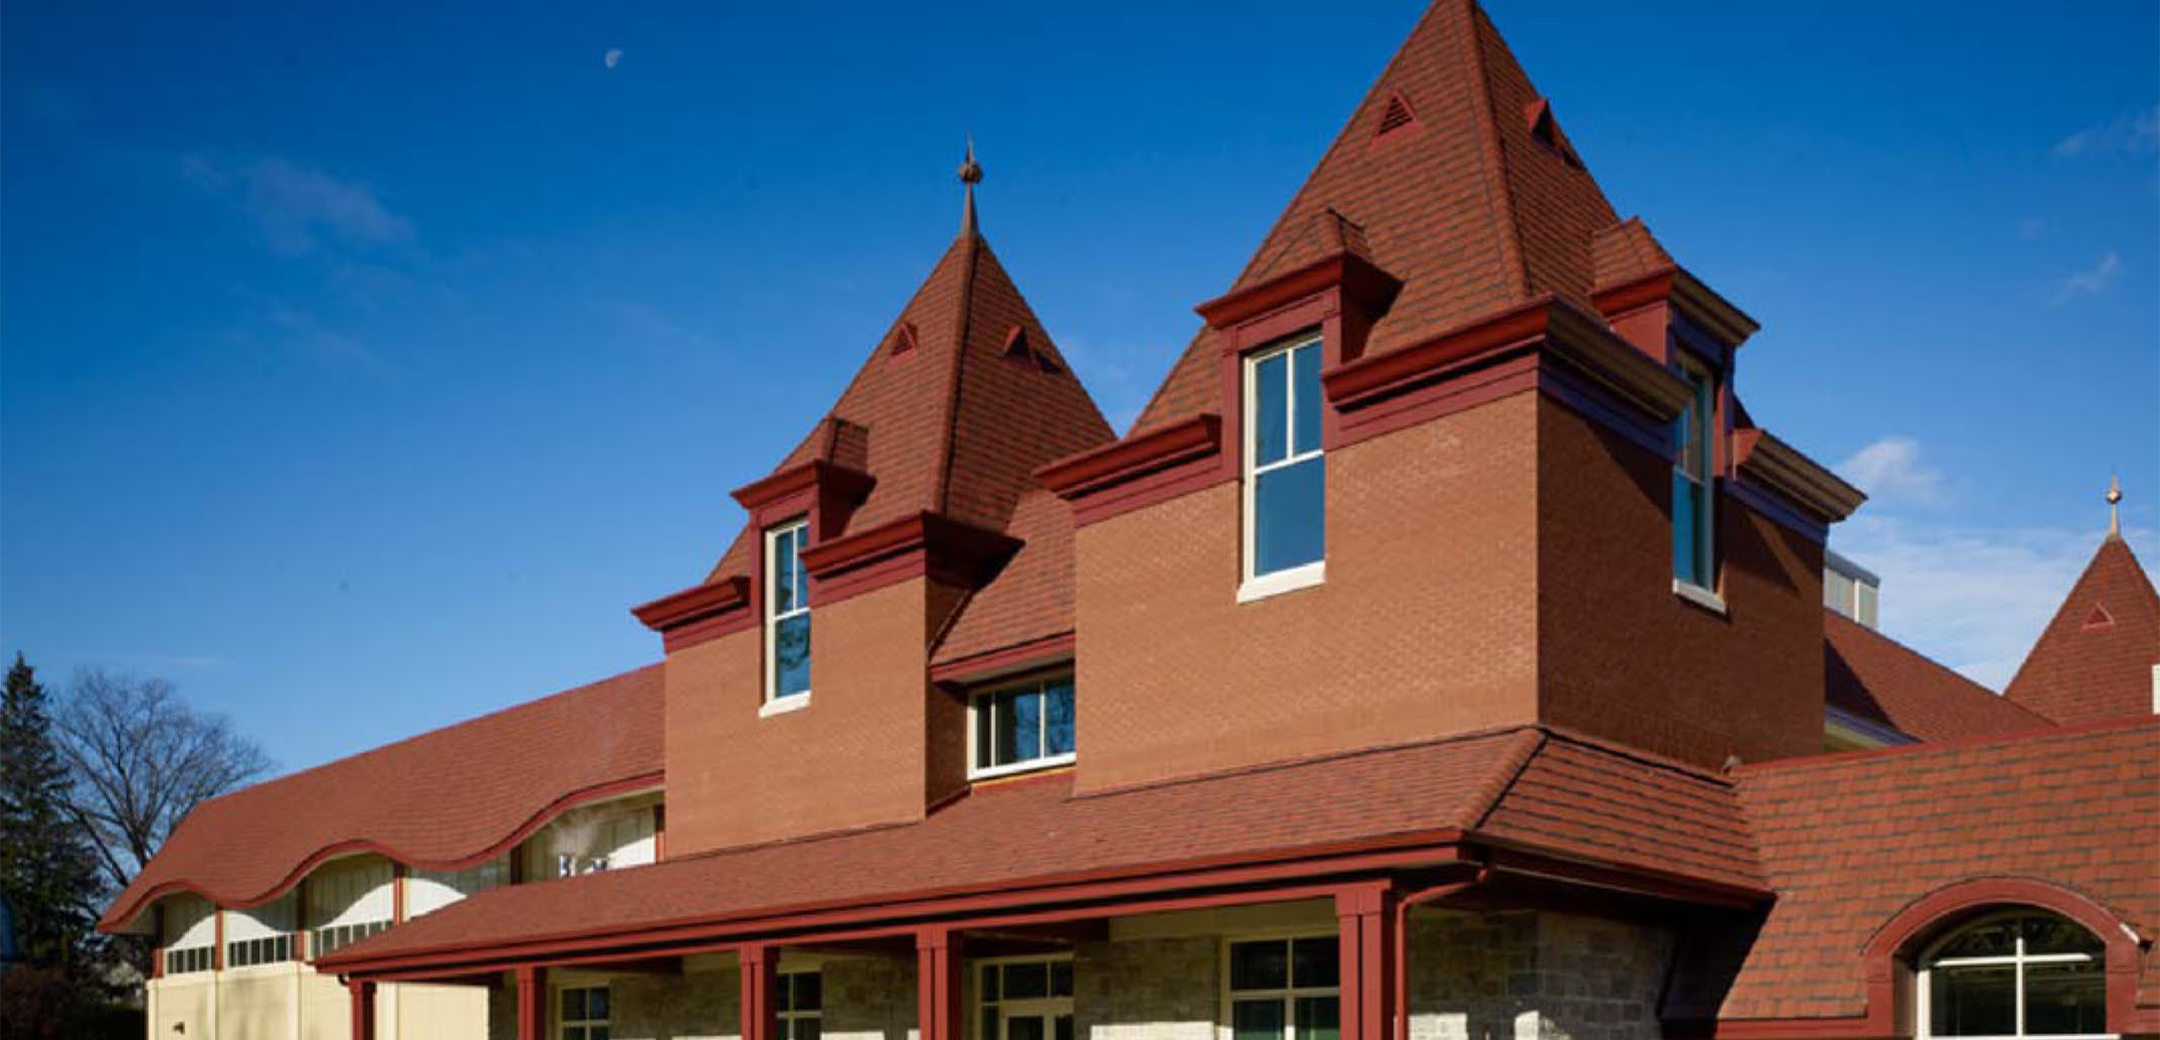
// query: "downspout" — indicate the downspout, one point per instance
point(1402, 939)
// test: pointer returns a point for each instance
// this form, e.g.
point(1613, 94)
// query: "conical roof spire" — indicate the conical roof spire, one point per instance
point(971, 174)
point(2114, 501)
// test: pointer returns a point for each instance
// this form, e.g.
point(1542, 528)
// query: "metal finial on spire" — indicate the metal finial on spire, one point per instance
point(2114, 501)
point(971, 174)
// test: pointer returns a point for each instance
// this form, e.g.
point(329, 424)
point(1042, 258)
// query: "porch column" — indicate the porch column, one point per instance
point(938, 966)
point(760, 981)
point(363, 1008)
point(1365, 918)
point(532, 1003)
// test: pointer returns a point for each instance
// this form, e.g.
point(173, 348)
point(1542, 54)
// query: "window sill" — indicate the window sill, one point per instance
point(1262, 586)
point(1699, 596)
point(783, 705)
point(1017, 768)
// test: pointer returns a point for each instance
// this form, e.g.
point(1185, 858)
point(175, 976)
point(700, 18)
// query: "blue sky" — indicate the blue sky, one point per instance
point(361, 365)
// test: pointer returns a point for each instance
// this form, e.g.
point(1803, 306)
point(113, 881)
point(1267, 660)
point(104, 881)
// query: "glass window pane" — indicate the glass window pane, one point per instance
point(1305, 373)
point(1004, 739)
point(783, 566)
point(573, 1005)
point(596, 1003)
point(1260, 965)
point(1027, 724)
point(1317, 1018)
point(1024, 1027)
point(1312, 961)
point(1058, 718)
point(795, 568)
point(2065, 998)
point(1027, 980)
point(808, 1029)
point(1064, 1027)
point(596, 1033)
point(989, 1023)
point(1977, 1001)
point(1686, 536)
point(573, 1033)
point(2050, 934)
point(990, 983)
point(791, 655)
point(1061, 978)
point(1289, 516)
point(1270, 408)
point(1994, 939)
point(1256, 1020)
point(809, 992)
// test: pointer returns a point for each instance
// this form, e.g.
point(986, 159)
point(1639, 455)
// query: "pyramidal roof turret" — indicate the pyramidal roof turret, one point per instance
point(1452, 175)
point(2099, 657)
point(962, 398)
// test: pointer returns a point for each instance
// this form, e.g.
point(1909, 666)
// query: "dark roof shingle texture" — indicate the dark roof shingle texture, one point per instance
point(2095, 659)
point(1878, 679)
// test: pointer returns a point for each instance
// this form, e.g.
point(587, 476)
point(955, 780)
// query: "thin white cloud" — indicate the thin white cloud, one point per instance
point(1973, 598)
point(2135, 133)
point(612, 58)
point(298, 208)
point(1892, 473)
point(2092, 281)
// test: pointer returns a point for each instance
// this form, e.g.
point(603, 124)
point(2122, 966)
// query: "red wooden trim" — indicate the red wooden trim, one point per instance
point(1356, 278)
point(300, 922)
point(362, 993)
point(1365, 925)
point(659, 832)
point(1673, 285)
point(760, 984)
point(920, 545)
point(1428, 849)
point(816, 473)
point(1357, 383)
point(1518, 858)
point(694, 604)
point(1118, 462)
point(397, 893)
point(532, 1003)
point(994, 663)
point(939, 961)
point(217, 948)
point(596, 793)
point(157, 942)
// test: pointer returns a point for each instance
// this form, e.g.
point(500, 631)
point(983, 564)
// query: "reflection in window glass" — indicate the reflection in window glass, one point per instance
point(1285, 989)
point(1285, 472)
point(1025, 725)
point(2014, 976)
point(787, 611)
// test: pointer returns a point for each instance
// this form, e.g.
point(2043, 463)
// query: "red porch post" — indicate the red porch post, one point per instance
point(363, 1008)
point(938, 966)
point(1365, 917)
point(532, 1004)
point(760, 981)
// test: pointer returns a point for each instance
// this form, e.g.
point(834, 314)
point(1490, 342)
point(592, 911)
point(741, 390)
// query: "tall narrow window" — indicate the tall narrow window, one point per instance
point(1024, 727)
point(1693, 497)
point(1025, 998)
point(1284, 989)
point(583, 1014)
point(1285, 472)
point(799, 1005)
point(787, 613)
point(2013, 976)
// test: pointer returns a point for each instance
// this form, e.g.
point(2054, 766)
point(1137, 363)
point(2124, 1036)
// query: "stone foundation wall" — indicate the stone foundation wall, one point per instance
point(870, 999)
point(1534, 976)
point(698, 1005)
point(1146, 989)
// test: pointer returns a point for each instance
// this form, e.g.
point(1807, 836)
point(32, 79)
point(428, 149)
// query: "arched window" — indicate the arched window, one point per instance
point(2024, 973)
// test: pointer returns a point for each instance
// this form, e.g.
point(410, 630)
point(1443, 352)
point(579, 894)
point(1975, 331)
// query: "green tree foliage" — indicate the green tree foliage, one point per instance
point(48, 871)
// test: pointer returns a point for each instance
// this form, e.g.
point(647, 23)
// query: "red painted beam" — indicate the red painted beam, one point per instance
point(363, 1008)
point(532, 1004)
point(939, 962)
point(760, 983)
point(1365, 920)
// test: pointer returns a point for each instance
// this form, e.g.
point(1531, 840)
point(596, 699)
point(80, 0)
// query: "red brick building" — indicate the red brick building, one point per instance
point(1443, 653)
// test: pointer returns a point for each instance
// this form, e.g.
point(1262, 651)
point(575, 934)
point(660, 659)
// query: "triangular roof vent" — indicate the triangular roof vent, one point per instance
point(902, 339)
point(1545, 130)
point(2099, 618)
point(1019, 347)
point(1397, 115)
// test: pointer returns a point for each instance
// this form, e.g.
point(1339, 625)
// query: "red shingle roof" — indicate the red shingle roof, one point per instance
point(1876, 678)
point(2095, 660)
point(1032, 598)
point(1556, 793)
point(1849, 840)
point(1466, 205)
point(447, 798)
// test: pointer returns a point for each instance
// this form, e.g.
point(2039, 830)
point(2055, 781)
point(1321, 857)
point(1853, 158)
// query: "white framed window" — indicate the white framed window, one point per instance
point(787, 616)
point(189, 935)
point(1024, 998)
point(2013, 975)
point(1693, 483)
point(1282, 988)
point(1022, 727)
point(348, 901)
point(799, 1005)
point(581, 1013)
point(1285, 485)
point(260, 935)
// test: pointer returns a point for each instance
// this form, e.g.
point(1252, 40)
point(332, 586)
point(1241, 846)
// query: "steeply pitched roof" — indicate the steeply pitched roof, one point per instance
point(1032, 598)
point(2095, 660)
point(963, 397)
point(1849, 840)
point(1581, 799)
point(1880, 680)
point(1477, 204)
point(447, 798)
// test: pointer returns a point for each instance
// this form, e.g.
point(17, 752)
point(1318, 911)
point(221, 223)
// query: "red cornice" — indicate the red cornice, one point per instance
point(1005, 661)
point(1673, 284)
point(1368, 378)
point(830, 478)
point(1779, 467)
point(919, 545)
point(695, 615)
point(1360, 281)
point(1119, 461)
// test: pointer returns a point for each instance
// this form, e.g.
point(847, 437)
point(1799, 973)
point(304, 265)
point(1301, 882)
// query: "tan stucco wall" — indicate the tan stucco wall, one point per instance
point(292, 1002)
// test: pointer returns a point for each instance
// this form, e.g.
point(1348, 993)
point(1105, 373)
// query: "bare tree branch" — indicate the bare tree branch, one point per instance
point(142, 760)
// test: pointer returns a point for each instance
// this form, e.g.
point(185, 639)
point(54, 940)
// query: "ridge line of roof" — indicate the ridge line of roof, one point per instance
point(1321, 758)
point(1885, 637)
point(969, 265)
point(1496, 787)
point(2050, 732)
point(1506, 219)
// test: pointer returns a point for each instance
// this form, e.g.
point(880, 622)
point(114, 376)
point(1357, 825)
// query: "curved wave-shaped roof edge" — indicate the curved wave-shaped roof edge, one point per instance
point(447, 799)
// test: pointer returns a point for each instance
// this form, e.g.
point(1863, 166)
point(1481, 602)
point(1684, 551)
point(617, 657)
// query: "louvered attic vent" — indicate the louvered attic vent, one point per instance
point(1395, 116)
point(2099, 618)
point(1020, 348)
point(903, 339)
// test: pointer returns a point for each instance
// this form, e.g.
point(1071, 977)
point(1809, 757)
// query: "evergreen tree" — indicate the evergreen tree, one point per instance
point(48, 870)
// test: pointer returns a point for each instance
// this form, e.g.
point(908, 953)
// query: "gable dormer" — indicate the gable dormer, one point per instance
point(809, 643)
